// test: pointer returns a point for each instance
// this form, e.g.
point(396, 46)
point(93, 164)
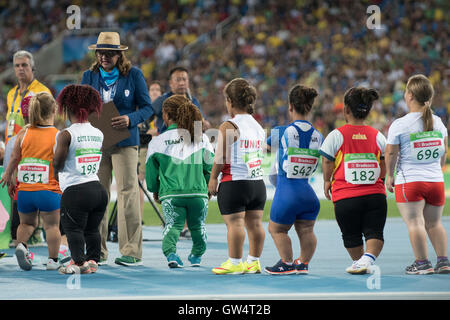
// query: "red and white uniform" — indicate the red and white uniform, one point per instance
point(357, 152)
point(246, 154)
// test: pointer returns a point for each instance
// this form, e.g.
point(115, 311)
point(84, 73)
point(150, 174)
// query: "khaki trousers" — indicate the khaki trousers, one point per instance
point(123, 161)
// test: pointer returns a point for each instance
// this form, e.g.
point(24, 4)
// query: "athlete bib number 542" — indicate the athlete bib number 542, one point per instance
point(361, 168)
point(427, 146)
point(301, 163)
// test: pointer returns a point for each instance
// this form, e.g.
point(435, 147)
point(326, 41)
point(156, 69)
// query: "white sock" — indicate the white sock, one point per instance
point(63, 247)
point(251, 259)
point(368, 257)
point(235, 261)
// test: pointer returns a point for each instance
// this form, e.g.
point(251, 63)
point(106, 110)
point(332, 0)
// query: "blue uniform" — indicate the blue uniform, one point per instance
point(297, 159)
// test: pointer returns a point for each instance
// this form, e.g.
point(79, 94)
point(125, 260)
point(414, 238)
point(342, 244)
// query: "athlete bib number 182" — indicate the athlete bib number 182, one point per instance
point(427, 146)
point(301, 163)
point(361, 168)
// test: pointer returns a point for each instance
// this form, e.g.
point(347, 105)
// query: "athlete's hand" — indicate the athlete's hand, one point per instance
point(156, 197)
point(327, 189)
point(390, 183)
point(12, 191)
point(212, 186)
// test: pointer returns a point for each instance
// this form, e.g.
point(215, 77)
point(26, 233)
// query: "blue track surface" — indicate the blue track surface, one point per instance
point(154, 280)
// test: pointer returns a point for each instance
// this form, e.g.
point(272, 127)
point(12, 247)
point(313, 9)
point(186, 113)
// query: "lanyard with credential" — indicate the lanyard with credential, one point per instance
point(15, 97)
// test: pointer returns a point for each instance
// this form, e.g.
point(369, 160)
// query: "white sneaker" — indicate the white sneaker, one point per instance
point(24, 257)
point(359, 267)
point(72, 268)
point(52, 265)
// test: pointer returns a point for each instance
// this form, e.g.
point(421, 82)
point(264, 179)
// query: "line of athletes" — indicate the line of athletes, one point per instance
point(186, 172)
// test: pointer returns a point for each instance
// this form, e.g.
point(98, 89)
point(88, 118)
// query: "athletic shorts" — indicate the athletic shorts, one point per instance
point(32, 201)
point(241, 195)
point(358, 216)
point(294, 200)
point(432, 192)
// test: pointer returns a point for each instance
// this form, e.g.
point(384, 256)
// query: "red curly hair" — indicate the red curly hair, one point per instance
point(80, 101)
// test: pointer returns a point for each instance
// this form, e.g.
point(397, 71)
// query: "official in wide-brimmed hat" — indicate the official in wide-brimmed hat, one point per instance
point(117, 80)
point(108, 41)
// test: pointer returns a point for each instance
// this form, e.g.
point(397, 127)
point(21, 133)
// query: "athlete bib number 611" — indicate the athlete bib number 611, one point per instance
point(33, 170)
point(301, 163)
point(361, 168)
point(426, 146)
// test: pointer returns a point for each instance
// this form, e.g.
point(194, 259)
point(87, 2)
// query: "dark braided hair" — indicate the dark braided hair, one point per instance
point(80, 101)
point(181, 110)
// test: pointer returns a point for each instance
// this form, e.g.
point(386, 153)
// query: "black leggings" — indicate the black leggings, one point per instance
point(365, 215)
point(82, 210)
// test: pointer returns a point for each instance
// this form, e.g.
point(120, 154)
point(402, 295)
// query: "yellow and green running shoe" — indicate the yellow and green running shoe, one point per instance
point(253, 267)
point(229, 268)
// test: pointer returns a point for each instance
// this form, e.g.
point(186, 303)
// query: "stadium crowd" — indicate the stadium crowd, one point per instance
point(274, 44)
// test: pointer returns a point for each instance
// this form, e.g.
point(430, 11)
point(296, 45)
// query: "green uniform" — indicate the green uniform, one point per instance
point(179, 172)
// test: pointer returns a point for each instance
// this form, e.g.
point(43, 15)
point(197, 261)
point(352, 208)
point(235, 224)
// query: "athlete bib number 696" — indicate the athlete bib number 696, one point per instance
point(361, 168)
point(427, 146)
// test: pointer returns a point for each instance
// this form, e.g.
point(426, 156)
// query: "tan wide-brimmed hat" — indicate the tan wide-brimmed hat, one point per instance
point(108, 41)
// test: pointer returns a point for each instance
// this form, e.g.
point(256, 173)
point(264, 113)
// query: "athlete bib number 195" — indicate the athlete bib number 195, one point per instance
point(301, 163)
point(426, 146)
point(87, 161)
point(253, 160)
point(361, 168)
point(33, 170)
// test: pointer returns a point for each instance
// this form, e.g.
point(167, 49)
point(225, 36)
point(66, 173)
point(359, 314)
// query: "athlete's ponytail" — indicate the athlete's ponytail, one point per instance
point(188, 117)
point(301, 98)
point(42, 105)
point(360, 101)
point(241, 94)
point(422, 91)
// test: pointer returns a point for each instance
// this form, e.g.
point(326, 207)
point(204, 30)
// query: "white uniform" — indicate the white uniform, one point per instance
point(247, 152)
point(420, 154)
point(84, 156)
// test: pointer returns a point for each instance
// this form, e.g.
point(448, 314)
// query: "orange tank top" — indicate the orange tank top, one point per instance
point(35, 170)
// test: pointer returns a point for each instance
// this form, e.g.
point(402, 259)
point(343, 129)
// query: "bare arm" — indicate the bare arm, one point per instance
point(62, 149)
point(391, 156)
point(221, 155)
point(16, 156)
point(444, 157)
point(327, 168)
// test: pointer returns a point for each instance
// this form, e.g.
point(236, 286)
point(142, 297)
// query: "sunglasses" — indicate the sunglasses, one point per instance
point(106, 53)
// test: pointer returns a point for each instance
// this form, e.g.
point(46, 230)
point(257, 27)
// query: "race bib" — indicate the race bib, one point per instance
point(253, 161)
point(87, 161)
point(33, 170)
point(361, 168)
point(301, 163)
point(427, 146)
